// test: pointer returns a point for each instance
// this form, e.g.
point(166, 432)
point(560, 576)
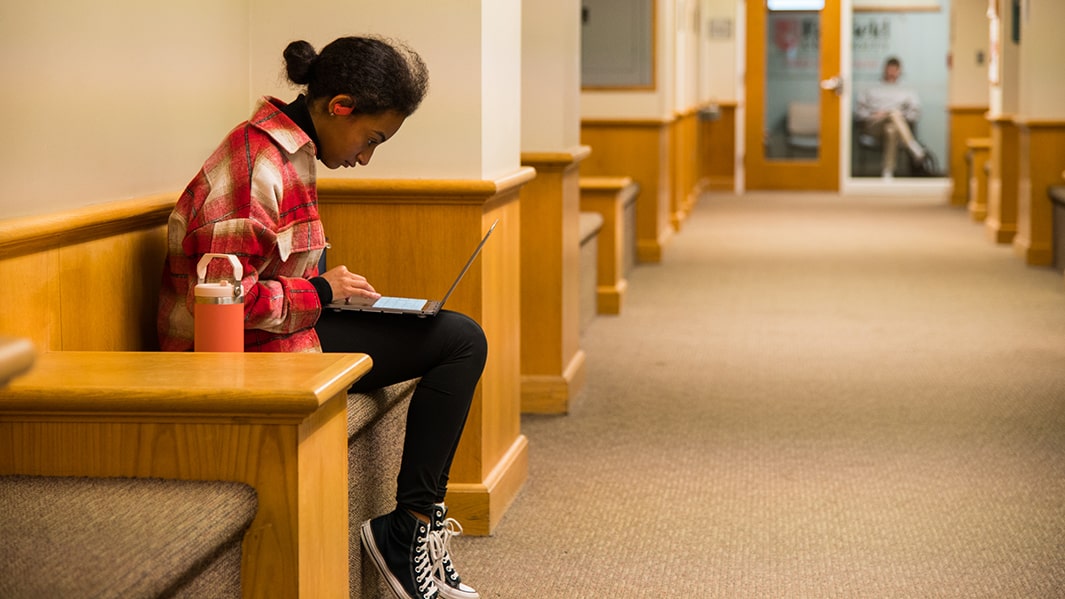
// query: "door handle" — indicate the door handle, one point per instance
point(833, 84)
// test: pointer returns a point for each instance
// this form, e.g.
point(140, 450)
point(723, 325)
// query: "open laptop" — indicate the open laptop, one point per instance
point(407, 305)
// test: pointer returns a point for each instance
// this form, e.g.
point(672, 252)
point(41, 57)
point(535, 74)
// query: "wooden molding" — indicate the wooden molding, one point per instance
point(435, 191)
point(559, 159)
point(1039, 123)
point(37, 233)
point(967, 108)
point(626, 122)
point(605, 183)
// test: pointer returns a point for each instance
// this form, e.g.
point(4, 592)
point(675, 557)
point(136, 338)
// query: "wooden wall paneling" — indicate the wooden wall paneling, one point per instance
point(641, 150)
point(966, 122)
point(1041, 158)
point(74, 275)
point(411, 237)
point(1002, 185)
point(552, 362)
point(684, 166)
point(110, 291)
point(719, 148)
point(29, 301)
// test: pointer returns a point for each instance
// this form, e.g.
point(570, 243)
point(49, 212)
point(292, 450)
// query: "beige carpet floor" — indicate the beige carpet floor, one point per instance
point(812, 396)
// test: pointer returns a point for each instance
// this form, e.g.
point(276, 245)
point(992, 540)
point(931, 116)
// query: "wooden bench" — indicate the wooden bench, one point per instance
point(977, 155)
point(552, 361)
point(591, 224)
point(1057, 199)
point(614, 199)
point(276, 422)
point(82, 288)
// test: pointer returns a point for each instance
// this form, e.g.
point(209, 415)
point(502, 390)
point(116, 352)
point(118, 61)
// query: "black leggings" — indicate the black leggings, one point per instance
point(448, 352)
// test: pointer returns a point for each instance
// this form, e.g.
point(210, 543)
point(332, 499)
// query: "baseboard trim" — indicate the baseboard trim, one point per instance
point(551, 394)
point(610, 297)
point(999, 233)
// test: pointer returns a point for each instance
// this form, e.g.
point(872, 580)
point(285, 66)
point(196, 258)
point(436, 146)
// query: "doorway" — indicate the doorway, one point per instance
point(808, 61)
point(793, 102)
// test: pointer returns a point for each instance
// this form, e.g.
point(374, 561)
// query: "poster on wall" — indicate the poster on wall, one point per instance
point(901, 5)
point(794, 50)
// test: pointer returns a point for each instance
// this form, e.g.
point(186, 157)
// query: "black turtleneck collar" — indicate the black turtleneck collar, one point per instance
point(300, 114)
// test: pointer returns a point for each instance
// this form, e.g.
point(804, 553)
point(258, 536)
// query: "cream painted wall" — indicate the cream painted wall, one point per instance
point(458, 132)
point(655, 104)
point(721, 48)
point(969, 42)
point(551, 77)
point(500, 86)
point(1042, 78)
point(685, 49)
point(111, 100)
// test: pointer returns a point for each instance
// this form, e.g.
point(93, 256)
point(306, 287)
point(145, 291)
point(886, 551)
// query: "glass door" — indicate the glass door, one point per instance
point(794, 84)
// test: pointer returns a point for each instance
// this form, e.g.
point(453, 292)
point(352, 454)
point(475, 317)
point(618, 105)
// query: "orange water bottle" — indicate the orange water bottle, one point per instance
point(218, 315)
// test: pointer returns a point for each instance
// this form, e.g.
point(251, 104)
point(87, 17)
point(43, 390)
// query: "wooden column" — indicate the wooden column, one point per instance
point(410, 238)
point(606, 196)
point(979, 150)
point(1041, 156)
point(1002, 185)
point(552, 362)
point(639, 149)
point(966, 122)
point(685, 162)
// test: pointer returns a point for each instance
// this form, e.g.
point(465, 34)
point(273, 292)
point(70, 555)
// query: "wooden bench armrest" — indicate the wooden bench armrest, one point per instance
point(150, 385)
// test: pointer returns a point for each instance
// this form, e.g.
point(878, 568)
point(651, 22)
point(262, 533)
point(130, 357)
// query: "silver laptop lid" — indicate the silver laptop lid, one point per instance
point(469, 262)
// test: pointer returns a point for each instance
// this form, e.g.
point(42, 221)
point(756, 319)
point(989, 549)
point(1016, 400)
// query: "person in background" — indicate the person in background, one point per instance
point(255, 197)
point(886, 112)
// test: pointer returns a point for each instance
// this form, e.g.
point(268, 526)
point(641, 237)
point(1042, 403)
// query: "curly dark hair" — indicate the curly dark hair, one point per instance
point(380, 74)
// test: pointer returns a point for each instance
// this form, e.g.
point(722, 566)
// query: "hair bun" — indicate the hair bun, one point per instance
point(299, 59)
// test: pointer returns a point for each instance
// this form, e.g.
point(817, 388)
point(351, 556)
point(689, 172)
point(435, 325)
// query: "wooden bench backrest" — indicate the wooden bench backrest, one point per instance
point(86, 279)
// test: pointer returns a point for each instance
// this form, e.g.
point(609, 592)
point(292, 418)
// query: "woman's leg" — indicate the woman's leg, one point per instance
point(448, 352)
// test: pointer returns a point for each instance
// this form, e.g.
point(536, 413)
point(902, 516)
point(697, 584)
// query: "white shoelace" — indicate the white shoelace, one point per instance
point(440, 549)
point(423, 565)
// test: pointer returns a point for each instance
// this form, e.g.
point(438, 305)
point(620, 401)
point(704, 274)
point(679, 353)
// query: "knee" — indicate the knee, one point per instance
point(468, 336)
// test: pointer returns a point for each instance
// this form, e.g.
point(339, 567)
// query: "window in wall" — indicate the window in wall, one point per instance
point(900, 66)
point(617, 44)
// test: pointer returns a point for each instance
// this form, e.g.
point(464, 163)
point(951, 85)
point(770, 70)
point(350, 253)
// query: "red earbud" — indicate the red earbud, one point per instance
point(342, 110)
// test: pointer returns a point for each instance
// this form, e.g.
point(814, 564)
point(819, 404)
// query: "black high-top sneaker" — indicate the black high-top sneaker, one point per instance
point(441, 530)
point(398, 544)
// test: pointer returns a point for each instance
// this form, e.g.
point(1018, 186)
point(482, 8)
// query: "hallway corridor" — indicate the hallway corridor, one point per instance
point(811, 396)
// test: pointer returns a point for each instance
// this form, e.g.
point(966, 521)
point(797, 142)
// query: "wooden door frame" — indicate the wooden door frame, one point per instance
point(824, 172)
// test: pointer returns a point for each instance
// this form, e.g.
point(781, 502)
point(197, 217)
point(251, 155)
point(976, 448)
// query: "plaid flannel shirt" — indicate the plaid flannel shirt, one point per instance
point(255, 197)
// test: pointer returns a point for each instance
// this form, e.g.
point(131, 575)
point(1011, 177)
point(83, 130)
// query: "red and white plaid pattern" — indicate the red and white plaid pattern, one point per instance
point(255, 197)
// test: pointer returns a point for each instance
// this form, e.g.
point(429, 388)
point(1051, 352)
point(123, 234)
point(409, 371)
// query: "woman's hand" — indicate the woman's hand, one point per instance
point(348, 285)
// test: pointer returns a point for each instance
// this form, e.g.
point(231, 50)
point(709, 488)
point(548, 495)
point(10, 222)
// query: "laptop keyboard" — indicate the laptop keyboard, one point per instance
point(399, 303)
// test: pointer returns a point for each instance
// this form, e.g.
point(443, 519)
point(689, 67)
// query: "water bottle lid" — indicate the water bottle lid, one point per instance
point(222, 289)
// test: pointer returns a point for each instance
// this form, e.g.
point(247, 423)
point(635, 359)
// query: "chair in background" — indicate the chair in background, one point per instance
point(803, 129)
